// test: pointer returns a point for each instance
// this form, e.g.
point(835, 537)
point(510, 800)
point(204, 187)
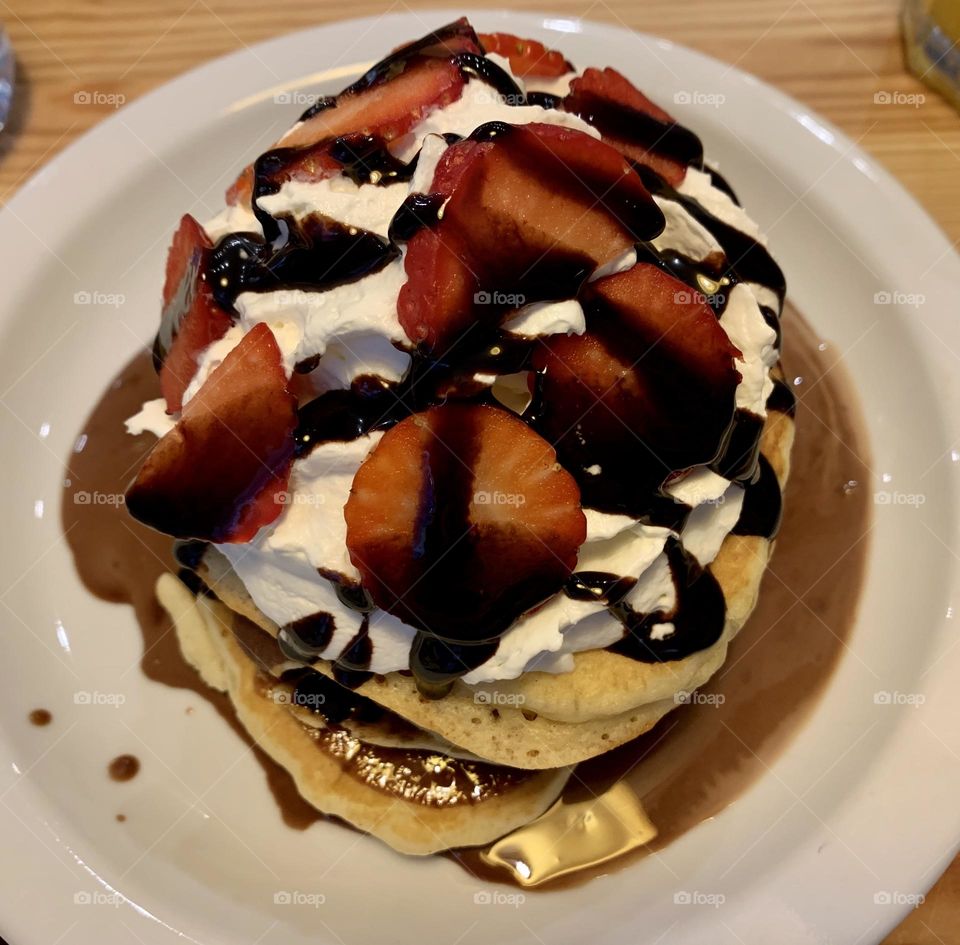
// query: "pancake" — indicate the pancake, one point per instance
point(557, 719)
point(417, 801)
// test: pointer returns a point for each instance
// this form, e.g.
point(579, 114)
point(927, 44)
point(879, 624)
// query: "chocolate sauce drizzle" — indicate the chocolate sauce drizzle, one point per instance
point(417, 211)
point(340, 416)
point(362, 158)
point(366, 160)
point(189, 552)
point(472, 65)
point(705, 276)
point(697, 619)
point(311, 254)
point(355, 596)
point(352, 666)
point(738, 461)
point(598, 586)
point(305, 639)
point(544, 99)
point(762, 508)
point(324, 696)
point(317, 253)
point(320, 105)
point(721, 183)
point(666, 138)
point(747, 260)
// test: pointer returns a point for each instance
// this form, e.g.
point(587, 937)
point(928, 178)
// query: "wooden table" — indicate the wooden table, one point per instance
point(832, 54)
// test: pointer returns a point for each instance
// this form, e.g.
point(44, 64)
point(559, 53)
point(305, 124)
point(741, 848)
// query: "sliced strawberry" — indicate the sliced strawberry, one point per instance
point(527, 56)
point(183, 258)
point(308, 164)
point(663, 311)
point(191, 318)
point(450, 40)
point(460, 520)
point(648, 390)
point(389, 110)
point(387, 101)
point(218, 474)
point(438, 280)
point(532, 210)
point(455, 162)
point(610, 84)
point(545, 189)
point(240, 192)
point(633, 124)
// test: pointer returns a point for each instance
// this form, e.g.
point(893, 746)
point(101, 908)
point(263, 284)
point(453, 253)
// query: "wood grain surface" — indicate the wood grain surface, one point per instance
point(834, 55)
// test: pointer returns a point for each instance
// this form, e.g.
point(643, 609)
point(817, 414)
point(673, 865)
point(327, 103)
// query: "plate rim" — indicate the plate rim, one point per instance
point(64, 162)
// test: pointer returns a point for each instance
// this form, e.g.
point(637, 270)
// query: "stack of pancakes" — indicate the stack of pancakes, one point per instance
point(424, 774)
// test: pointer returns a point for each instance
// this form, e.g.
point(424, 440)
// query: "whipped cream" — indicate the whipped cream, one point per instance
point(355, 330)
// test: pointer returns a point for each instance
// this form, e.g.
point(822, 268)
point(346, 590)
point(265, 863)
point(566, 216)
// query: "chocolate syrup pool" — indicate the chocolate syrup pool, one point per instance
point(698, 759)
point(118, 559)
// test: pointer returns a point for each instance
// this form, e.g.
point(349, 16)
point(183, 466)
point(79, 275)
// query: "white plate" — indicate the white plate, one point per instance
point(857, 816)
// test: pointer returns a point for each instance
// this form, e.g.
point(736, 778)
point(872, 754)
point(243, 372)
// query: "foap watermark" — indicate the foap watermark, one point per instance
point(914, 499)
point(99, 98)
point(692, 297)
point(497, 897)
point(510, 299)
point(697, 97)
point(95, 697)
point(683, 697)
point(306, 700)
point(295, 897)
point(491, 97)
point(82, 497)
point(895, 697)
point(899, 97)
point(299, 498)
point(894, 897)
point(95, 297)
point(515, 499)
point(291, 298)
point(495, 697)
point(913, 299)
point(97, 897)
point(694, 498)
point(299, 97)
point(695, 897)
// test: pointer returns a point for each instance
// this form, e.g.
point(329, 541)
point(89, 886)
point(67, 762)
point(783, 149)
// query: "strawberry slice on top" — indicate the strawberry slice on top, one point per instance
point(648, 390)
point(219, 473)
point(191, 318)
point(527, 57)
point(387, 101)
point(460, 520)
point(532, 210)
point(389, 109)
point(635, 126)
